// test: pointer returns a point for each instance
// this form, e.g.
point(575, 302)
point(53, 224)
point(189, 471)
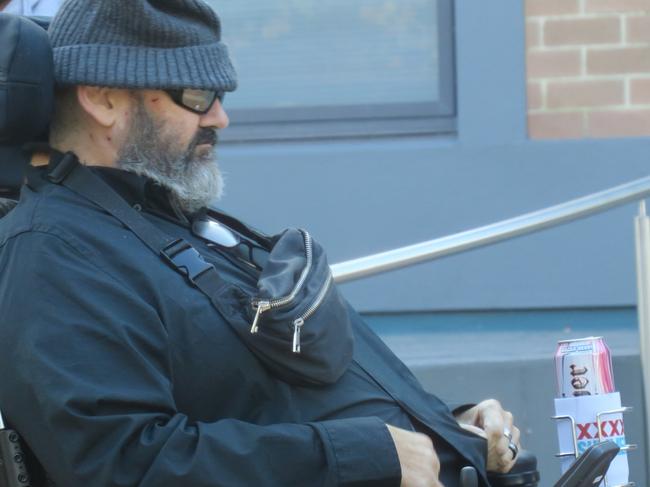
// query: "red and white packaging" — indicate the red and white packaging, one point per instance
point(588, 410)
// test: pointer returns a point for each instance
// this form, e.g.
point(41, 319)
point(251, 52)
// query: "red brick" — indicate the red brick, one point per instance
point(638, 29)
point(555, 125)
point(548, 64)
point(533, 34)
point(551, 7)
point(619, 123)
point(582, 94)
point(618, 60)
point(619, 6)
point(582, 31)
point(640, 91)
point(535, 95)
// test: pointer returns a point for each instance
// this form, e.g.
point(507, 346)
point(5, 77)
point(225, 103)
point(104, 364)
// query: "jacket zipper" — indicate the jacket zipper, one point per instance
point(300, 321)
point(264, 305)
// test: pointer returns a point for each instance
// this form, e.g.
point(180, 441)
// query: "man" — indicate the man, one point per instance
point(122, 373)
point(45, 8)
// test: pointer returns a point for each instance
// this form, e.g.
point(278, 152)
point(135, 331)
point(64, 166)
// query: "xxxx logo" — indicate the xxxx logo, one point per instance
point(588, 431)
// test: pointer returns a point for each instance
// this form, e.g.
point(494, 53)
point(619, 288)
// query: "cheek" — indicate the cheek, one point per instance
point(179, 132)
point(153, 104)
point(180, 124)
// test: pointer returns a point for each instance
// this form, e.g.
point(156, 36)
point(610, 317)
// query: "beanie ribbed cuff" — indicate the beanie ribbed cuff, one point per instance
point(204, 67)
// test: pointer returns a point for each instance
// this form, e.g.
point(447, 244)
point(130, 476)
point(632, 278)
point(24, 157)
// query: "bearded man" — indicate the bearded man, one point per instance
point(123, 364)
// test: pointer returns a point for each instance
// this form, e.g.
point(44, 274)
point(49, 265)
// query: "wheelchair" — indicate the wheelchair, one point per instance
point(26, 105)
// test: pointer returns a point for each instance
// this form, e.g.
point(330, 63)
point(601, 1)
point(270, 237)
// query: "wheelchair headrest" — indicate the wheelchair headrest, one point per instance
point(26, 80)
point(26, 96)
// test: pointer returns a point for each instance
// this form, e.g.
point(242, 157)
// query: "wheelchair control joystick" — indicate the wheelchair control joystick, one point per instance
point(13, 468)
point(468, 477)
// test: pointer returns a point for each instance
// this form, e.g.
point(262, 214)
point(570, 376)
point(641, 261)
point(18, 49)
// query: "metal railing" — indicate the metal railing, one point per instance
point(523, 225)
point(504, 230)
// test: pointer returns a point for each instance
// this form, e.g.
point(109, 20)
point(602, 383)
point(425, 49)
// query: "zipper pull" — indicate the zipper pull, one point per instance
point(262, 306)
point(297, 325)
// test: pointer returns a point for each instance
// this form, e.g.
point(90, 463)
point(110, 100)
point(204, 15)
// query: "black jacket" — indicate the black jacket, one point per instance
point(118, 373)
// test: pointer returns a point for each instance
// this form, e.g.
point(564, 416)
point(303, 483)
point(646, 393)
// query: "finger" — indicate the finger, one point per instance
point(514, 447)
point(486, 409)
point(502, 450)
point(469, 417)
point(493, 425)
point(474, 429)
point(508, 420)
point(492, 416)
point(505, 461)
point(504, 456)
point(516, 441)
point(500, 422)
point(516, 436)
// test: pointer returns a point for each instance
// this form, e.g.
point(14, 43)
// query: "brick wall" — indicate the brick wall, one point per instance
point(588, 68)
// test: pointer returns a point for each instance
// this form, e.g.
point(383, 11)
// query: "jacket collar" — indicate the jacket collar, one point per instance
point(139, 191)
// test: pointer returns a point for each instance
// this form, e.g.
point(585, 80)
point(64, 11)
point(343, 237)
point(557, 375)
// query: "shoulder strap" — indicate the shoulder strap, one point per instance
point(176, 252)
point(330, 336)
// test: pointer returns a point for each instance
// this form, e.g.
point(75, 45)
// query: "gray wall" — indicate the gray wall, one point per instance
point(360, 196)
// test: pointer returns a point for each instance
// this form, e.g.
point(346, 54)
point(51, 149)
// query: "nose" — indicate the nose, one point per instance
point(216, 117)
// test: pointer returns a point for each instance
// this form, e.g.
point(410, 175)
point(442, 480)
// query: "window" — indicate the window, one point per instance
point(309, 68)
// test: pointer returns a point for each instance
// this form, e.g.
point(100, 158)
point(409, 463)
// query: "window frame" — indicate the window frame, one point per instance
point(332, 121)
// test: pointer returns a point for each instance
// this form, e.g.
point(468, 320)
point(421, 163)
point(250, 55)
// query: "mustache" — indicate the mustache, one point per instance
point(205, 136)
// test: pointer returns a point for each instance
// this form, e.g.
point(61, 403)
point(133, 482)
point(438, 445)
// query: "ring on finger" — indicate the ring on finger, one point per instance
point(513, 449)
point(507, 433)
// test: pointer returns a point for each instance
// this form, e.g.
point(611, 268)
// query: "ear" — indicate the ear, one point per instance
point(106, 106)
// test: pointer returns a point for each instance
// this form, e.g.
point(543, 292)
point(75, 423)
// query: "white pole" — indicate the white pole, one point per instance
point(642, 234)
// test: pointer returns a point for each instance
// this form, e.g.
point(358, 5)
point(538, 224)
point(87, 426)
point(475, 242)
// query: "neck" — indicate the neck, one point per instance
point(92, 149)
point(40, 159)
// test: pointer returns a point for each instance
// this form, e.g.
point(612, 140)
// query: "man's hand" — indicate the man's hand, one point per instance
point(417, 458)
point(489, 420)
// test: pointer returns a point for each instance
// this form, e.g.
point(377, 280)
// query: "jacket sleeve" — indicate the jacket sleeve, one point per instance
point(87, 382)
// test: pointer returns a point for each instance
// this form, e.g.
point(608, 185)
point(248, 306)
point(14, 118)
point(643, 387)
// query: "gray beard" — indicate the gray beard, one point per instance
point(194, 181)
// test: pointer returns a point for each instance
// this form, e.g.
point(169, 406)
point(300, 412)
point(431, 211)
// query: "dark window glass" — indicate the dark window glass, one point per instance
point(338, 60)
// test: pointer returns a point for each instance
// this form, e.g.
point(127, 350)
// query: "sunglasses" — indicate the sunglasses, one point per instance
point(197, 101)
point(221, 237)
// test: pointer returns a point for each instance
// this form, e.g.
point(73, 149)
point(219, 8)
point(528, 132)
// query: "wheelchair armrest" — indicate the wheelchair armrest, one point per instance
point(523, 474)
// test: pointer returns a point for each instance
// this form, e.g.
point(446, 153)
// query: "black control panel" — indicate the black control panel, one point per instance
point(13, 465)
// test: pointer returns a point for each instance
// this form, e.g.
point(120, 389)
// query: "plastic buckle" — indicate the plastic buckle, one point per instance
point(186, 259)
point(63, 168)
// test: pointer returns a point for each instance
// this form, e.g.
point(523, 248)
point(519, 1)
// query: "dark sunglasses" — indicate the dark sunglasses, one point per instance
point(197, 101)
point(219, 236)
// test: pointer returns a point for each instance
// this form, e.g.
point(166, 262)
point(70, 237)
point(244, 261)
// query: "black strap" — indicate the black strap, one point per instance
point(178, 253)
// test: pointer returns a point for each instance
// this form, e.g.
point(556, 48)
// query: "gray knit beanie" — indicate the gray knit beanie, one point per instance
point(140, 44)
